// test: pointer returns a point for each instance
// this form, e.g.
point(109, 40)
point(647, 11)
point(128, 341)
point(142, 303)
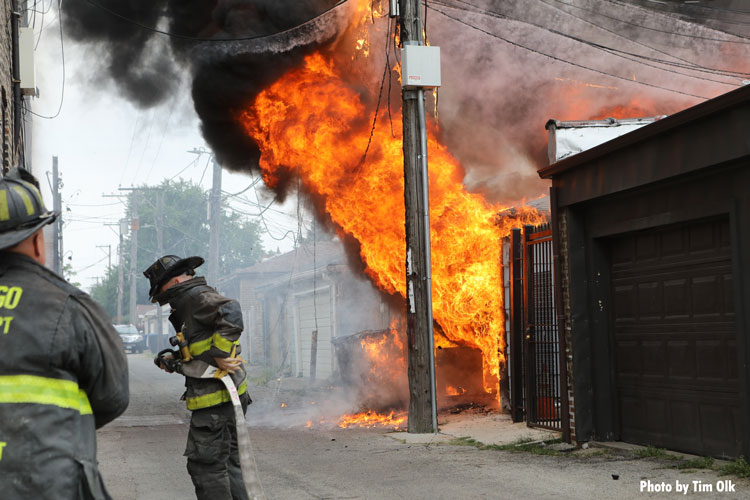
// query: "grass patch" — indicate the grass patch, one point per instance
point(739, 468)
point(602, 452)
point(464, 441)
point(525, 445)
point(697, 463)
point(653, 452)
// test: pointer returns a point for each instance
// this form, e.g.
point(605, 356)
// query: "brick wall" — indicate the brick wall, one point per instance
point(6, 85)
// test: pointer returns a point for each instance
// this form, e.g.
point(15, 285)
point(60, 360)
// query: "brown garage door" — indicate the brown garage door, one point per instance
point(675, 338)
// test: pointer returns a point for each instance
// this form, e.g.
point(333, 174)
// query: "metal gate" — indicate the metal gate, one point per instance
point(538, 369)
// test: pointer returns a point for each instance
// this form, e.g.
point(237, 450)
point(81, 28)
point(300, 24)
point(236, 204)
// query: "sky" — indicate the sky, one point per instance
point(104, 143)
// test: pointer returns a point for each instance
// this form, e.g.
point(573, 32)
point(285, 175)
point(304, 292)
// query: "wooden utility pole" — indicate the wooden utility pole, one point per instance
point(121, 271)
point(134, 226)
point(214, 225)
point(422, 403)
point(160, 249)
point(57, 266)
point(109, 254)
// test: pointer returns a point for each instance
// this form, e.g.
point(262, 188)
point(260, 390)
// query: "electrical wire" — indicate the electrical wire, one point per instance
point(191, 164)
point(62, 59)
point(515, 44)
point(255, 181)
point(688, 16)
point(617, 52)
point(635, 25)
point(91, 265)
point(205, 169)
point(145, 146)
point(265, 223)
point(163, 134)
point(199, 39)
point(688, 64)
point(715, 8)
point(130, 149)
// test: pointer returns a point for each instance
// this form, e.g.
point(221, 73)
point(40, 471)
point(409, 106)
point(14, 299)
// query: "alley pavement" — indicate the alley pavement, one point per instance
point(303, 454)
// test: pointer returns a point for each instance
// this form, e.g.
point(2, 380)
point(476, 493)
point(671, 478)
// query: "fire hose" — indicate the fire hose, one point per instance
point(194, 368)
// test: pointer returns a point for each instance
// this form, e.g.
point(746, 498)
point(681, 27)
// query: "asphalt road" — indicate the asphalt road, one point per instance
point(140, 457)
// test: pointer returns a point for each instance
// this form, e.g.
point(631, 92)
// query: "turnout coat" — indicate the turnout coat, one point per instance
point(211, 324)
point(63, 374)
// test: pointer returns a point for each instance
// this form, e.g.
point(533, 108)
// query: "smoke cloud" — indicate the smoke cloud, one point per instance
point(496, 97)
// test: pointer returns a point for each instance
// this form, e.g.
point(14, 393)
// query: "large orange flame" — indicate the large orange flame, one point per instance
point(311, 124)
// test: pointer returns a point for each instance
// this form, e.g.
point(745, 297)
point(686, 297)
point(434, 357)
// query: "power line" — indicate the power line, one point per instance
point(199, 39)
point(617, 52)
point(191, 164)
point(265, 223)
point(62, 59)
point(715, 8)
point(130, 149)
point(629, 23)
point(161, 142)
point(515, 44)
point(688, 64)
point(693, 16)
point(145, 146)
point(255, 181)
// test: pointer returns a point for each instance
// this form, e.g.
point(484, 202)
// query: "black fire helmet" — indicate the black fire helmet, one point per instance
point(166, 268)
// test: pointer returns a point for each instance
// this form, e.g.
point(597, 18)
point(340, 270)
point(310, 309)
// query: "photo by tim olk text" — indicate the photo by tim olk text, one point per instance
point(694, 486)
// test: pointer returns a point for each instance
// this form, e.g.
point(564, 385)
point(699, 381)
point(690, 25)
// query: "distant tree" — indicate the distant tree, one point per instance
point(69, 274)
point(185, 232)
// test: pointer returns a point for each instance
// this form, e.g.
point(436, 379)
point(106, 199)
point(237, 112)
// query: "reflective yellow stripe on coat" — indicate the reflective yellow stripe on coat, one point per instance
point(44, 391)
point(201, 346)
point(213, 398)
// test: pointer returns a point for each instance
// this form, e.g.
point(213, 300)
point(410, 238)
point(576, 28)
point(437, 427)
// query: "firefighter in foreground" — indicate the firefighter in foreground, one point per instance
point(210, 325)
point(63, 371)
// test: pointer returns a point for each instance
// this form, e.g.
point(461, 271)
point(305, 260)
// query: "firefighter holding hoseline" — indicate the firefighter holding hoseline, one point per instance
point(63, 371)
point(208, 326)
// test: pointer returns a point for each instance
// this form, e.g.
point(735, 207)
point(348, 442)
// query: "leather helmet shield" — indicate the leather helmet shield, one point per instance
point(22, 210)
point(168, 267)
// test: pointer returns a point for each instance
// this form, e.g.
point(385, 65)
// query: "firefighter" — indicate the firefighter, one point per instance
point(211, 325)
point(63, 371)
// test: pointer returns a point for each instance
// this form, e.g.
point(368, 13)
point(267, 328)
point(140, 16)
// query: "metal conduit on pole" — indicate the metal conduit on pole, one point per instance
point(427, 251)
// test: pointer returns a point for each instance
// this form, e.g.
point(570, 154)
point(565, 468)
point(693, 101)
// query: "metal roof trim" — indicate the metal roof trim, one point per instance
point(712, 106)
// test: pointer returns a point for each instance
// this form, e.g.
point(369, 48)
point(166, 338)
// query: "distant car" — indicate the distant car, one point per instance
point(131, 338)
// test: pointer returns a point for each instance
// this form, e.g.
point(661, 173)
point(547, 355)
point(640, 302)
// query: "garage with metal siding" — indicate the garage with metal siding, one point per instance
point(675, 339)
point(313, 313)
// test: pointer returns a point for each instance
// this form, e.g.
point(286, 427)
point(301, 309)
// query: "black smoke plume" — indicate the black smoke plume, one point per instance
point(496, 96)
point(232, 49)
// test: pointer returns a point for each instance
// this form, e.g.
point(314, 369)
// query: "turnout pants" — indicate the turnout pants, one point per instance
point(212, 457)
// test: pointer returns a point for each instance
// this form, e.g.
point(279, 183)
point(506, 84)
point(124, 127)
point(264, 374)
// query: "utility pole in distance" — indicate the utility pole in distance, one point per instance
point(160, 249)
point(121, 271)
point(57, 226)
point(421, 343)
point(109, 254)
point(214, 224)
point(134, 225)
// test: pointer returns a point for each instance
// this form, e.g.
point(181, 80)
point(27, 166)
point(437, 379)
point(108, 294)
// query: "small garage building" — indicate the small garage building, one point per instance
point(653, 232)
